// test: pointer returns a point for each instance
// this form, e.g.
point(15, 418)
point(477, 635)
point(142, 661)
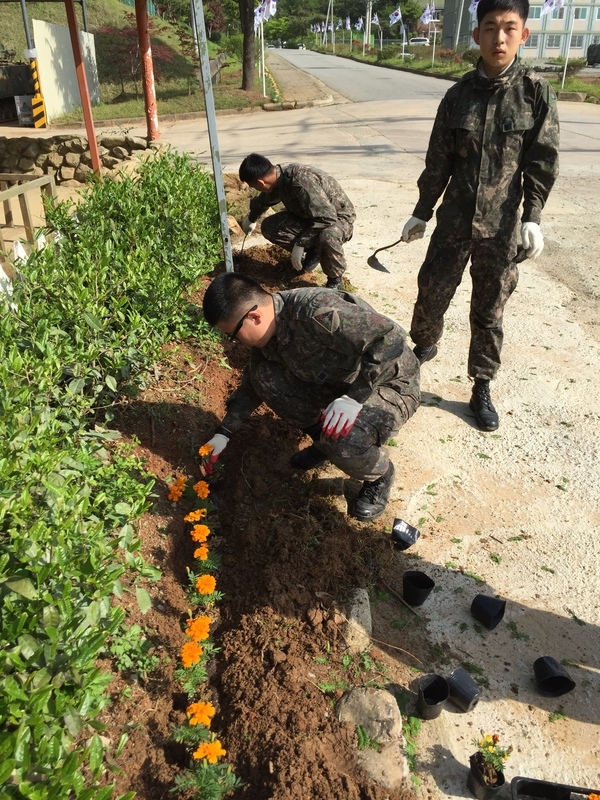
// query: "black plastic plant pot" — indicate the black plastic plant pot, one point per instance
point(527, 788)
point(416, 587)
point(404, 535)
point(432, 697)
point(552, 678)
point(464, 692)
point(488, 610)
point(477, 785)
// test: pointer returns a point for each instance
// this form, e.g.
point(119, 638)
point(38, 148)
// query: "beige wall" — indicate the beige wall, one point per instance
point(57, 67)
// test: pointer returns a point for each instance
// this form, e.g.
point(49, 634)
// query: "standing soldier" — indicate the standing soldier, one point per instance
point(318, 216)
point(494, 143)
point(327, 363)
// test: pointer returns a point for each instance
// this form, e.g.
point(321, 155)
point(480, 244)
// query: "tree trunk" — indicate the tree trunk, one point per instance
point(247, 20)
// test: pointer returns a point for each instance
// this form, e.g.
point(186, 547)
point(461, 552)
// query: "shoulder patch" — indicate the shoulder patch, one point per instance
point(328, 318)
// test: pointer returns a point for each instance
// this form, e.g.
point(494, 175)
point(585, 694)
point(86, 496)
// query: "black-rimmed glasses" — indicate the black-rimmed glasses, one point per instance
point(236, 330)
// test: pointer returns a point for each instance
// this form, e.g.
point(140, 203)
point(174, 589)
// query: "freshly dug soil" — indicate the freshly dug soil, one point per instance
point(290, 556)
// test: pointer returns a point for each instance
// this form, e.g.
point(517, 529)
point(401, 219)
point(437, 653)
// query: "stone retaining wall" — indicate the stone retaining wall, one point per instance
point(67, 156)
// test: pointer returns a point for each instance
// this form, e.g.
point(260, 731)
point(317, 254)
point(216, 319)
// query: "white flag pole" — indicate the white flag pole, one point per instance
point(568, 48)
point(332, 30)
point(458, 22)
point(262, 41)
point(434, 39)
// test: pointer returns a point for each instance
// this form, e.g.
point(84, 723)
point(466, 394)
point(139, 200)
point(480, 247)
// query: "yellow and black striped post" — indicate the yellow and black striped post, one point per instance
point(38, 106)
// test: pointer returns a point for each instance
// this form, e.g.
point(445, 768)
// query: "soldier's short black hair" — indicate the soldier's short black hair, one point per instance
point(230, 295)
point(520, 7)
point(254, 167)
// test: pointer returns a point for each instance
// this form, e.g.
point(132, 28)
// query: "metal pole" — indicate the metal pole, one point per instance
point(84, 16)
point(458, 24)
point(26, 25)
point(568, 48)
point(83, 87)
point(433, 53)
point(262, 49)
point(151, 109)
point(211, 119)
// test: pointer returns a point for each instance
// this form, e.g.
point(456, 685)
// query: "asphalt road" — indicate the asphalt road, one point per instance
point(364, 82)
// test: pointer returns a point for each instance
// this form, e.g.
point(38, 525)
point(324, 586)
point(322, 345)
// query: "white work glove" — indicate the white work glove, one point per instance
point(532, 239)
point(340, 416)
point(414, 229)
point(248, 226)
point(297, 256)
point(219, 443)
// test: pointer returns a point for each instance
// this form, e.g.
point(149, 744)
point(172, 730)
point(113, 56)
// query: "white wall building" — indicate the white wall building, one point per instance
point(565, 31)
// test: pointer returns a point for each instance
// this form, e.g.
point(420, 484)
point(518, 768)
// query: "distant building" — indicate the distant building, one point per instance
point(565, 31)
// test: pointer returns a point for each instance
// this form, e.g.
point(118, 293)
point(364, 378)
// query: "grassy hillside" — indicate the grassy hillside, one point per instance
point(177, 88)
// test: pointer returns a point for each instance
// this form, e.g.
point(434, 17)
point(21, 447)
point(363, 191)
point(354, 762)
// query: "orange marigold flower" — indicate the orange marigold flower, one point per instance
point(206, 584)
point(196, 515)
point(200, 533)
point(210, 751)
point(200, 713)
point(201, 489)
point(190, 654)
point(201, 552)
point(177, 488)
point(205, 450)
point(198, 629)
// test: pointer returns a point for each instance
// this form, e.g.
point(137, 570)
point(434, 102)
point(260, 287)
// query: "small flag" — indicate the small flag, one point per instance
point(550, 5)
point(426, 16)
point(473, 6)
point(359, 25)
point(395, 16)
point(339, 24)
point(330, 26)
point(375, 20)
point(348, 24)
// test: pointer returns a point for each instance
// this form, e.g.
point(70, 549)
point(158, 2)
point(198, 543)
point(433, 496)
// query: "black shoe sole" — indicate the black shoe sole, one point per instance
point(371, 518)
point(431, 354)
point(481, 424)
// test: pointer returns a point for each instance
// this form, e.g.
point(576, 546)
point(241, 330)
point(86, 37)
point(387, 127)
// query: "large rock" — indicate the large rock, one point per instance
point(113, 141)
point(110, 162)
point(66, 174)
point(54, 160)
point(25, 164)
point(31, 150)
point(72, 159)
point(136, 142)
point(120, 152)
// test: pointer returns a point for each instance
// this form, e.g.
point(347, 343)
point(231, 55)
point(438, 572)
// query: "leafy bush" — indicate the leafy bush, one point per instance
point(388, 52)
point(90, 315)
point(446, 55)
point(574, 66)
point(472, 55)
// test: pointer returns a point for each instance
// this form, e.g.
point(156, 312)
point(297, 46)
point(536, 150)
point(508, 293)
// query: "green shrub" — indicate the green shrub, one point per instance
point(388, 52)
point(89, 316)
point(471, 56)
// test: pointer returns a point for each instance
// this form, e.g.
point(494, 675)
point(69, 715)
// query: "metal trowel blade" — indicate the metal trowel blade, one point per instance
point(375, 263)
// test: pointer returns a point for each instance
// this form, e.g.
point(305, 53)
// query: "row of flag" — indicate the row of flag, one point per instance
point(396, 16)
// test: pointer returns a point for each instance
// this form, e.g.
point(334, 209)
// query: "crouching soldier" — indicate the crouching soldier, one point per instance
point(327, 363)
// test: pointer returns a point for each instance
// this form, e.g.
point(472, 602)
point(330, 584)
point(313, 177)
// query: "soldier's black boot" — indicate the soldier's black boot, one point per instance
point(482, 406)
point(425, 353)
point(309, 458)
point(333, 283)
point(311, 259)
point(373, 497)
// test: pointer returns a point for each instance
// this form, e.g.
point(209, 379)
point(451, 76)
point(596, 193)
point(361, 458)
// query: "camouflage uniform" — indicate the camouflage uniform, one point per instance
point(318, 214)
point(328, 344)
point(495, 140)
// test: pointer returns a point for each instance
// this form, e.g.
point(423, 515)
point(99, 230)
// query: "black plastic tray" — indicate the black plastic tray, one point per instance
point(526, 788)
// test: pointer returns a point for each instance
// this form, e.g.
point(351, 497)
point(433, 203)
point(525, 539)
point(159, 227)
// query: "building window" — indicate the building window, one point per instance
point(598, 13)
point(553, 41)
point(535, 12)
point(558, 13)
point(532, 41)
point(576, 41)
point(595, 39)
point(580, 13)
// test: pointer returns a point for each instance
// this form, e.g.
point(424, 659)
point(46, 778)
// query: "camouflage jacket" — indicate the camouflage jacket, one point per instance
point(494, 142)
point(307, 193)
point(332, 339)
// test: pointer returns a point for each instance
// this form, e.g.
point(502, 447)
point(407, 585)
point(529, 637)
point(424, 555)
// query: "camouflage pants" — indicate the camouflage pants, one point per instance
point(283, 228)
point(494, 276)
point(361, 453)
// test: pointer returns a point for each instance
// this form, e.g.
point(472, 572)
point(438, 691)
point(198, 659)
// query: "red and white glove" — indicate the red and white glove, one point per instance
point(219, 443)
point(340, 416)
